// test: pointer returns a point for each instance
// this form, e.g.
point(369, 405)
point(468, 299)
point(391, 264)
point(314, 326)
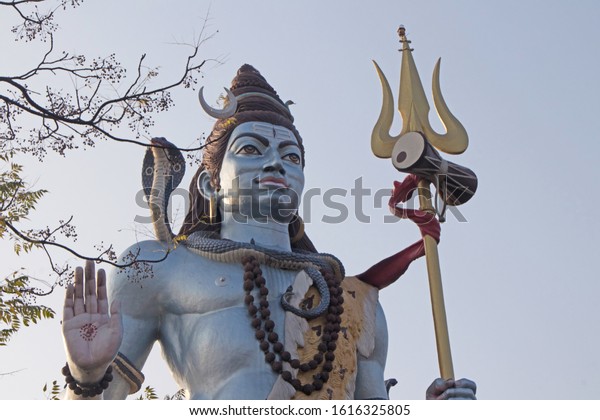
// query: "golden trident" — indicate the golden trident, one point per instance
point(414, 110)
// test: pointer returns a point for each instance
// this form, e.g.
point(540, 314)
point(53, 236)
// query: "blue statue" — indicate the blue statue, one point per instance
point(241, 302)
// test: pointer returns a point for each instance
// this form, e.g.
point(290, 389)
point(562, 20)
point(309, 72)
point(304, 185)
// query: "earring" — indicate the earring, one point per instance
point(212, 209)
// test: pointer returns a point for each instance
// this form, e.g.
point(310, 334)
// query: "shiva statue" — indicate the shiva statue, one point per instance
point(241, 302)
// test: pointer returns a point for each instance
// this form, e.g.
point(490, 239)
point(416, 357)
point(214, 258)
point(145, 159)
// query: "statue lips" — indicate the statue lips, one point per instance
point(271, 181)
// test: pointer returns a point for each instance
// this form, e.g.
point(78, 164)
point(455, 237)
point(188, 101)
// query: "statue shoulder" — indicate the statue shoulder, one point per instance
point(152, 264)
point(149, 251)
point(141, 270)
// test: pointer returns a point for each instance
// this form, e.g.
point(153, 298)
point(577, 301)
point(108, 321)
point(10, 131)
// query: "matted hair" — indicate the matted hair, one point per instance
point(249, 109)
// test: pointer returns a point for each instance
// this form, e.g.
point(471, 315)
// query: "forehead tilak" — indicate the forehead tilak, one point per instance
point(269, 130)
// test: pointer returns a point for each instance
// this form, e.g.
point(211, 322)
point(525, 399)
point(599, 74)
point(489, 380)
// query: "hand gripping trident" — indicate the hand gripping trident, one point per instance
point(412, 151)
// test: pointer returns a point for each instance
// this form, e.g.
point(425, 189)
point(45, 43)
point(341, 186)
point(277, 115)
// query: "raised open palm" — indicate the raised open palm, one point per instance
point(92, 336)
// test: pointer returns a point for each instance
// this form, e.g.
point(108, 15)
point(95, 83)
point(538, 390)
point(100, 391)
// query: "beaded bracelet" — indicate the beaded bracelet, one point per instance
point(87, 390)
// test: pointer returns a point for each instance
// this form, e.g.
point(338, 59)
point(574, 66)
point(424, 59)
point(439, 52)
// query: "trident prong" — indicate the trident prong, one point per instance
point(414, 109)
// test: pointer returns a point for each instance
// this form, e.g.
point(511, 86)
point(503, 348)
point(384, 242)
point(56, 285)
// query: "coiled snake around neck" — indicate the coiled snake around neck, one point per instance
point(162, 171)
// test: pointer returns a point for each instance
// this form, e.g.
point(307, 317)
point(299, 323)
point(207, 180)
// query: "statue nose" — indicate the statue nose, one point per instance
point(274, 165)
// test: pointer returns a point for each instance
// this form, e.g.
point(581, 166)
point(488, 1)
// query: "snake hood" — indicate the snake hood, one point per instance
point(162, 172)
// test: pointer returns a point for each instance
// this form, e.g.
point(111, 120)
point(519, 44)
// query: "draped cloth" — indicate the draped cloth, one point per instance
point(356, 338)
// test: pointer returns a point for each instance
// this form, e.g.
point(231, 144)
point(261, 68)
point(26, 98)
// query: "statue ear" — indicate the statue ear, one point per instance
point(204, 185)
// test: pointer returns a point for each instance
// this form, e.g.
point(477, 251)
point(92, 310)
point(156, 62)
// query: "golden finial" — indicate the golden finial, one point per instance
point(402, 35)
point(414, 108)
point(401, 31)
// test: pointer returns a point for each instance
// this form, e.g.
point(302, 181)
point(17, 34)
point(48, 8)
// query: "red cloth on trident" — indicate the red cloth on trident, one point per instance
point(389, 270)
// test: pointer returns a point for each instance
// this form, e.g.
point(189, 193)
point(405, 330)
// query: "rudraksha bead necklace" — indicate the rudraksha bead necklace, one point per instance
point(275, 353)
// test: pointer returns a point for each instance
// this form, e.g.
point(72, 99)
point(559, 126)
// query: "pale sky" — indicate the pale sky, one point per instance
point(520, 276)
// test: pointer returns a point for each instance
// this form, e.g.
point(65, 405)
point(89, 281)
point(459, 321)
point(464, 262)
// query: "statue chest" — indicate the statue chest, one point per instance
point(206, 330)
point(202, 286)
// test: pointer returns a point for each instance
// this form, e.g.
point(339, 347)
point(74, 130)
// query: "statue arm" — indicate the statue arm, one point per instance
point(370, 384)
point(136, 347)
point(137, 289)
point(95, 335)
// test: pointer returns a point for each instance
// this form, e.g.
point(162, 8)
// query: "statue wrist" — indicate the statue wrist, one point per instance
point(87, 389)
point(87, 376)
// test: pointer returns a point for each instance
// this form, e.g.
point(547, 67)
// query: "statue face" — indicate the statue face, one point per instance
point(261, 175)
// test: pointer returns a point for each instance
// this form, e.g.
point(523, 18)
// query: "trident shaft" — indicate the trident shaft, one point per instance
point(414, 109)
point(436, 290)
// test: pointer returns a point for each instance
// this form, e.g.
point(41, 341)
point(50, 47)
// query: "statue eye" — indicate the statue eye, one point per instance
point(292, 157)
point(249, 150)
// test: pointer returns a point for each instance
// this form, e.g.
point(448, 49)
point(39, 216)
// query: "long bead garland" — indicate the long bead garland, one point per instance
point(268, 339)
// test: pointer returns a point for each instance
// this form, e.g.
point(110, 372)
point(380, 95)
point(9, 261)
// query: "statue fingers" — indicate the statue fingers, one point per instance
point(436, 390)
point(467, 384)
point(102, 294)
point(462, 389)
point(78, 302)
point(91, 299)
point(68, 305)
point(115, 309)
point(458, 394)
point(116, 322)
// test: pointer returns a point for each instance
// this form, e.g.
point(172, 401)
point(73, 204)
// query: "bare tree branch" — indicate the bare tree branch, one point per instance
point(60, 103)
point(45, 243)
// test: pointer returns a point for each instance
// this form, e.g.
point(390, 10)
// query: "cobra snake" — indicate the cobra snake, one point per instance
point(162, 171)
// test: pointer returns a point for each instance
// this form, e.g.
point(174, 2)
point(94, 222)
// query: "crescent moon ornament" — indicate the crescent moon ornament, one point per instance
point(226, 112)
